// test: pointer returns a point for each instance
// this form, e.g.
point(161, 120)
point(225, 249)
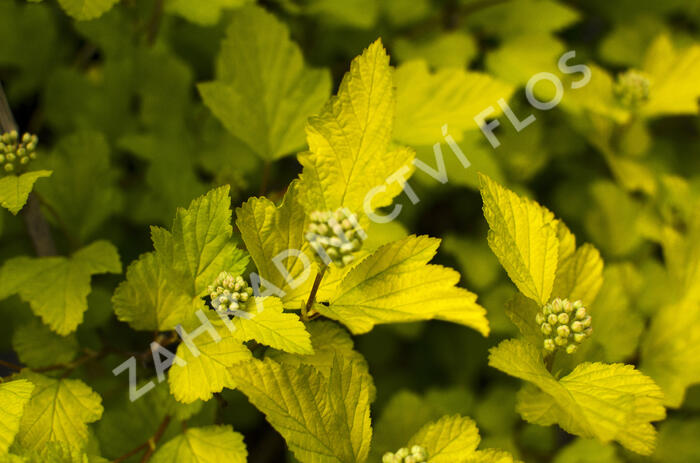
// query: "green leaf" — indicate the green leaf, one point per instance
point(396, 284)
point(588, 451)
point(58, 411)
point(511, 19)
point(146, 300)
point(199, 375)
point(83, 10)
point(14, 189)
point(271, 326)
point(329, 340)
point(675, 77)
point(520, 57)
point(678, 440)
point(37, 346)
point(262, 70)
point(202, 239)
point(323, 419)
point(450, 439)
point(268, 230)
point(349, 152)
point(448, 50)
point(204, 445)
point(579, 276)
point(671, 349)
point(164, 288)
point(427, 102)
point(607, 402)
point(202, 13)
point(82, 190)
point(14, 396)
point(523, 235)
point(144, 416)
point(403, 416)
point(56, 288)
point(613, 309)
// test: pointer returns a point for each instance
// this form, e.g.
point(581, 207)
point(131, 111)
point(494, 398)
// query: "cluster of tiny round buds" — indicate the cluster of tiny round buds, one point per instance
point(632, 88)
point(16, 152)
point(416, 454)
point(229, 293)
point(335, 236)
point(564, 325)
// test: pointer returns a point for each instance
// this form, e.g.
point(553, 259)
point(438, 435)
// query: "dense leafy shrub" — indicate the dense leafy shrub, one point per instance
point(244, 232)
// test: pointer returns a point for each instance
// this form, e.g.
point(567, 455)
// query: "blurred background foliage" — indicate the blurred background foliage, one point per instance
point(144, 105)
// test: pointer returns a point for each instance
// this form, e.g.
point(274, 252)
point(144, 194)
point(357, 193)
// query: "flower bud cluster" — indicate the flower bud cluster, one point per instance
point(229, 293)
point(632, 89)
point(16, 152)
point(416, 454)
point(564, 324)
point(335, 236)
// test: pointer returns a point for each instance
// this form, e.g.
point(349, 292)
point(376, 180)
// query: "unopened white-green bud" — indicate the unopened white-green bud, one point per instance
point(549, 345)
point(334, 236)
point(563, 331)
point(16, 152)
point(229, 293)
point(632, 89)
point(415, 454)
point(564, 325)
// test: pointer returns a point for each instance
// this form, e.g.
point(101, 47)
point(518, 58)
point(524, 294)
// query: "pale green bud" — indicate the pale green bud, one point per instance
point(556, 306)
point(563, 331)
point(332, 234)
point(561, 318)
point(9, 167)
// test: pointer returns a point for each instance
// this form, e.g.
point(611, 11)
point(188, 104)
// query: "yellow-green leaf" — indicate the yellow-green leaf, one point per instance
point(450, 439)
point(323, 419)
point(83, 10)
point(206, 371)
point(56, 288)
point(209, 444)
point(262, 70)
point(426, 102)
point(349, 153)
point(523, 235)
point(14, 396)
point(607, 402)
point(15, 189)
point(270, 325)
point(58, 411)
point(396, 284)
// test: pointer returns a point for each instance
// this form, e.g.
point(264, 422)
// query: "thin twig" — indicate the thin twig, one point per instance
point(149, 445)
point(154, 22)
point(312, 297)
point(74, 242)
point(10, 365)
point(153, 441)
